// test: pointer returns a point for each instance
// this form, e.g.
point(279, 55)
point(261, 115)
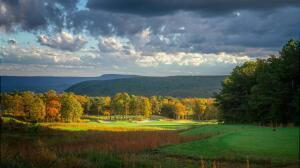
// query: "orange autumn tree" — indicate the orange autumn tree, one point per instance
point(52, 106)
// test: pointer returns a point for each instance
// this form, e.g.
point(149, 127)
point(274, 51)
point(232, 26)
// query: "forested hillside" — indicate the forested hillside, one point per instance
point(176, 86)
point(45, 83)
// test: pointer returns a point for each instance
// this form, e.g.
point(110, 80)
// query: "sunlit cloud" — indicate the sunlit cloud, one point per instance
point(63, 41)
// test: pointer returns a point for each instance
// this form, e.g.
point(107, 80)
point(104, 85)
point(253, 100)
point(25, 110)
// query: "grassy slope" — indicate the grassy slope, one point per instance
point(240, 142)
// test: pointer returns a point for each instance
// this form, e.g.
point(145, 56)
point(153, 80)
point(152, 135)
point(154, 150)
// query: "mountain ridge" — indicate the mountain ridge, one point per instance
point(176, 86)
point(46, 83)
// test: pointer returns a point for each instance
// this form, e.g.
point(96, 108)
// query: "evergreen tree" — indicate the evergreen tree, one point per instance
point(263, 91)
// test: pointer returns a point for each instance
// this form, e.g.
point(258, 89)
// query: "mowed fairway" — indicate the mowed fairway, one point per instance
point(239, 142)
point(126, 125)
point(97, 124)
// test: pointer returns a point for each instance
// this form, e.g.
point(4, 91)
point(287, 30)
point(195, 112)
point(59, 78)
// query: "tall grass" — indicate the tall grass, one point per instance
point(123, 141)
point(54, 148)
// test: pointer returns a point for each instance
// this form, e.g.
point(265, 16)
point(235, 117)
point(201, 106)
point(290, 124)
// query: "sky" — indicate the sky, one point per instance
point(142, 37)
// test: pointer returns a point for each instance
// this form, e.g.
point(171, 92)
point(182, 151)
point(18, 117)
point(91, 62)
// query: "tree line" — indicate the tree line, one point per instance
point(264, 91)
point(69, 107)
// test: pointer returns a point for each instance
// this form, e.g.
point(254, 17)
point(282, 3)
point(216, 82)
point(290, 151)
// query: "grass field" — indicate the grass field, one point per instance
point(150, 143)
point(238, 142)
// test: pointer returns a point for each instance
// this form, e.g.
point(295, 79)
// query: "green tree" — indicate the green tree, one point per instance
point(180, 110)
point(94, 106)
point(71, 109)
point(146, 107)
point(88, 106)
point(84, 101)
point(12, 104)
point(120, 104)
point(200, 107)
point(168, 108)
point(133, 105)
point(156, 105)
point(236, 89)
point(38, 110)
point(103, 106)
point(28, 102)
point(264, 91)
point(189, 104)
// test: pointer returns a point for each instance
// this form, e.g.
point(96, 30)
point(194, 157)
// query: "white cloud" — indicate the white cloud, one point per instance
point(237, 14)
point(48, 56)
point(146, 61)
point(119, 54)
point(3, 9)
point(164, 39)
point(182, 28)
point(189, 59)
point(117, 47)
point(111, 44)
point(128, 53)
point(63, 41)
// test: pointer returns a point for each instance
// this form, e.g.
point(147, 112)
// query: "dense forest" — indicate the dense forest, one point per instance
point(175, 86)
point(264, 91)
point(69, 107)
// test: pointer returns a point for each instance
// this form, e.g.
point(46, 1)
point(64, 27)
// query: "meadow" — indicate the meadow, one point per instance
point(148, 143)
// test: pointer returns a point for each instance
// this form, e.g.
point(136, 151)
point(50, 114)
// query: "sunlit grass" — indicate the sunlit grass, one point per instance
point(124, 125)
point(96, 127)
point(11, 119)
point(94, 123)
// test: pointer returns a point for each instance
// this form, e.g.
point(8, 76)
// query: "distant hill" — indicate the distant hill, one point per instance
point(116, 76)
point(176, 86)
point(46, 83)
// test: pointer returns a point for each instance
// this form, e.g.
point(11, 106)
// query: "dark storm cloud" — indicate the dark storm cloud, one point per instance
point(230, 33)
point(179, 25)
point(33, 14)
point(105, 23)
point(164, 7)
